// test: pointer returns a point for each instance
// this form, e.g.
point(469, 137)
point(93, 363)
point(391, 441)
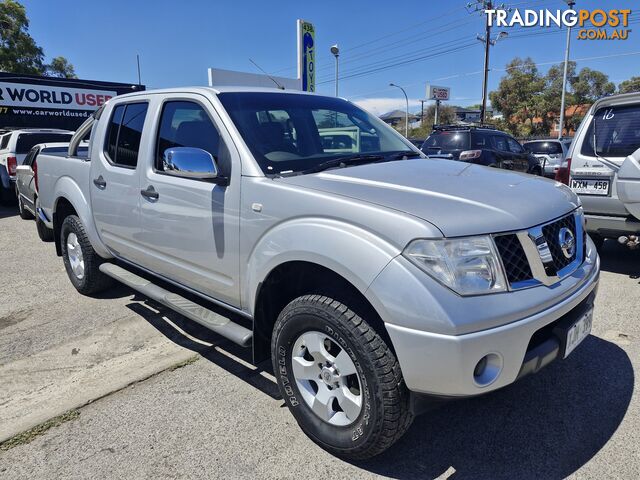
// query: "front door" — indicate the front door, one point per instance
point(191, 227)
point(114, 181)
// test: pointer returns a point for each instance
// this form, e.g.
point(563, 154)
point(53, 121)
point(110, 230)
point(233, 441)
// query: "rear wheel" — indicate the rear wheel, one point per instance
point(80, 259)
point(338, 377)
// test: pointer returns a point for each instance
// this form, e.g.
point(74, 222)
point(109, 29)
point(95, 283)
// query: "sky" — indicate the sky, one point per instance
point(410, 43)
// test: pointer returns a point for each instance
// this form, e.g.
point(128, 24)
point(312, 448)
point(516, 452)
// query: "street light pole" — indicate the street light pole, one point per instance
point(406, 114)
point(336, 53)
point(570, 3)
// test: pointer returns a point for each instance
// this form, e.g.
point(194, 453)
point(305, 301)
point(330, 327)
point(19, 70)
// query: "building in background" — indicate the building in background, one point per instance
point(396, 117)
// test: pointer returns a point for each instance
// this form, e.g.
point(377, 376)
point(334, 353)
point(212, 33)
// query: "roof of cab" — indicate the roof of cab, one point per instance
point(214, 90)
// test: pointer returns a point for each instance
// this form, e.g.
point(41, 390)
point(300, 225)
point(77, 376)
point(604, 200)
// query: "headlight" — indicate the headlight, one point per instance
point(468, 266)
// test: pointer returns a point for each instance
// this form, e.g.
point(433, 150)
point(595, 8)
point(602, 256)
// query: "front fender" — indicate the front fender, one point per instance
point(66, 188)
point(352, 252)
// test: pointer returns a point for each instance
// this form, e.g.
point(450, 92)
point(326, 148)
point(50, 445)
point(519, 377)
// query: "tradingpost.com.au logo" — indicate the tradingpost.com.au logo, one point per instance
point(596, 24)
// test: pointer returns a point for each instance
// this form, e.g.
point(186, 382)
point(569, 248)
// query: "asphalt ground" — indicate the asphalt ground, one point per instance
point(184, 403)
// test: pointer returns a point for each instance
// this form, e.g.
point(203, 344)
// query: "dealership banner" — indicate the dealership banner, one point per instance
point(29, 101)
point(306, 56)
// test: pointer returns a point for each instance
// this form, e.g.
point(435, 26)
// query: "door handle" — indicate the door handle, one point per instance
point(150, 193)
point(100, 182)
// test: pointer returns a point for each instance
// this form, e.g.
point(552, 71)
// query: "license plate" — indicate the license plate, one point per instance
point(578, 332)
point(590, 186)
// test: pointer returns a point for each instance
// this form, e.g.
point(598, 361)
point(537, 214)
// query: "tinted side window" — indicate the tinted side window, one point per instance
point(112, 132)
point(480, 140)
point(125, 132)
point(186, 124)
point(28, 160)
point(5, 141)
point(514, 146)
point(500, 143)
point(26, 141)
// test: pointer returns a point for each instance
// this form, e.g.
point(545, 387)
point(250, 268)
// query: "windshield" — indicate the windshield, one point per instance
point(544, 148)
point(290, 133)
point(446, 140)
point(617, 131)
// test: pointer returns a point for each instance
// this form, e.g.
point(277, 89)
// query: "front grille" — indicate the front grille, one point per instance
point(551, 234)
point(514, 260)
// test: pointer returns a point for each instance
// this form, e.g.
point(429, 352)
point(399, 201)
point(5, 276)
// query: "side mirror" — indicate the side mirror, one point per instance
point(189, 162)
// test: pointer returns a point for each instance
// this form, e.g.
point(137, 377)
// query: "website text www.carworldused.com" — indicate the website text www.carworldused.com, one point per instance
point(596, 24)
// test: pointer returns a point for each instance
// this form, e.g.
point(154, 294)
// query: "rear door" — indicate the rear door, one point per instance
point(115, 190)
point(191, 229)
point(519, 156)
point(24, 179)
point(503, 155)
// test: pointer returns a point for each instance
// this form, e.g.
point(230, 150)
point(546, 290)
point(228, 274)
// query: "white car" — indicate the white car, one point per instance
point(14, 147)
point(551, 153)
point(607, 176)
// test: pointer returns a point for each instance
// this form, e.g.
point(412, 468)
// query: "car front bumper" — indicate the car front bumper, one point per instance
point(443, 364)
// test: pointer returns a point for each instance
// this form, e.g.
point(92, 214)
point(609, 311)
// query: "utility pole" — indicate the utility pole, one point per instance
point(481, 6)
point(487, 45)
point(570, 3)
point(422, 112)
point(406, 113)
point(437, 114)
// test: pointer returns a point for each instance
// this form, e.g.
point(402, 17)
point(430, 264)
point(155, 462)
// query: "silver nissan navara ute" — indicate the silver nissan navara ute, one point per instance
point(372, 276)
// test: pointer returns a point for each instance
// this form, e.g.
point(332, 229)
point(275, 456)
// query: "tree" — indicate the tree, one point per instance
point(60, 67)
point(446, 115)
point(589, 85)
point(19, 52)
point(629, 86)
point(518, 96)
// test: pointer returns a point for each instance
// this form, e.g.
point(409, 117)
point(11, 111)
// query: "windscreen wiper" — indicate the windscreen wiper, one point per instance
point(404, 154)
point(341, 163)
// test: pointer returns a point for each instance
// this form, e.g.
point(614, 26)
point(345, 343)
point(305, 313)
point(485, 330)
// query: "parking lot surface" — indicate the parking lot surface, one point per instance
point(171, 400)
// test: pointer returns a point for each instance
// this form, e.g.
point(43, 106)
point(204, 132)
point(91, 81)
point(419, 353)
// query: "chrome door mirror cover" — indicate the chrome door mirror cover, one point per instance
point(189, 162)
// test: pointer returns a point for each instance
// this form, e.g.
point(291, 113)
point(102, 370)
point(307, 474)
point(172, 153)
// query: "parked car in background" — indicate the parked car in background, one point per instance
point(370, 278)
point(14, 147)
point(605, 171)
point(550, 153)
point(482, 145)
point(27, 187)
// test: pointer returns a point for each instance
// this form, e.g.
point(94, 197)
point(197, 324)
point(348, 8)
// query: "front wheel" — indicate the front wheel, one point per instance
point(80, 259)
point(338, 377)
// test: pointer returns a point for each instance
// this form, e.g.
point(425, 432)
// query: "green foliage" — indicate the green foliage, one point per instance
point(446, 114)
point(60, 67)
point(530, 101)
point(19, 52)
point(630, 86)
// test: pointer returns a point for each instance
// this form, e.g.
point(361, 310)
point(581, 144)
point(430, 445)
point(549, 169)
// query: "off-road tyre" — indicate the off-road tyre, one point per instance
point(93, 280)
point(384, 415)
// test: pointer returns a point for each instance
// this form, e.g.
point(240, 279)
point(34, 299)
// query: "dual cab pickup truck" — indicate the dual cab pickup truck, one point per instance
point(372, 279)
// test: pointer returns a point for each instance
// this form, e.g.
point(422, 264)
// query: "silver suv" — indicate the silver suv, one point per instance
point(605, 173)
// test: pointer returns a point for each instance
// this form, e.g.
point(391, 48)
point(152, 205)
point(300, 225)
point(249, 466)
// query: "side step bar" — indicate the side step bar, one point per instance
point(205, 317)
